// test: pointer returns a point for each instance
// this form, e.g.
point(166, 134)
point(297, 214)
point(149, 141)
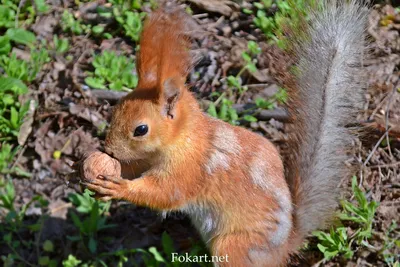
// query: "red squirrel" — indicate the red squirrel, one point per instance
point(230, 181)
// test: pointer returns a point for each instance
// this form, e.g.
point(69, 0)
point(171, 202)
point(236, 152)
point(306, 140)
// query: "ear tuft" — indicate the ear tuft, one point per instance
point(171, 93)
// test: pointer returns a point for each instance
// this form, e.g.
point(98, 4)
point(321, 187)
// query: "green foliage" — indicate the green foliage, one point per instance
point(337, 241)
point(13, 224)
point(226, 111)
point(112, 71)
point(24, 70)
point(12, 86)
point(389, 244)
point(361, 213)
point(249, 57)
point(280, 97)
point(92, 223)
point(10, 17)
point(264, 104)
point(61, 45)
point(7, 154)
point(128, 16)
point(155, 258)
point(70, 24)
point(288, 15)
point(131, 22)
point(11, 111)
point(19, 36)
point(71, 261)
point(7, 14)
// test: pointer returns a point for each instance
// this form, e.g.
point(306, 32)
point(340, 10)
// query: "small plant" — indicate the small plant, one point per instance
point(361, 213)
point(11, 12)
point(249, 57)
point(7, 14)
point(289, 14)
point(91, 224)
point(390, 243)
point(7, 153)
point(335, 242)
point(13, 223)
point(226, 111)
point(113, 71)
point(69, 23)
point(19, 36)
point(25, 71)
point(280, 97)
point(11, 111)
point(131, 22)
point(129, 17)
point(61, 45)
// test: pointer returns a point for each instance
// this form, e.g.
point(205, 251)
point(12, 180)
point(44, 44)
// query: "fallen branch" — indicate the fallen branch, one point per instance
point(279, 114)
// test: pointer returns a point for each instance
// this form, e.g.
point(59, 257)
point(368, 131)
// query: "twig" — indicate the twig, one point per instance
point(390, 165)
point(20, 5)
point(387, 122)
point(108, 95)
point(375, 147)
point(19, 157)
point(75, 73)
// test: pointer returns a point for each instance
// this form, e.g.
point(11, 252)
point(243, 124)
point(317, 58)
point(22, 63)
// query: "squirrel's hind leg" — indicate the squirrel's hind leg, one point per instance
point(246, 249)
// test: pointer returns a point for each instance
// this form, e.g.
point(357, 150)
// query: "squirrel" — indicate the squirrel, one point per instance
point(232, 182)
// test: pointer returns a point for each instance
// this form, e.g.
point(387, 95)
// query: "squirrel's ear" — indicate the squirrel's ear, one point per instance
point(171, 93)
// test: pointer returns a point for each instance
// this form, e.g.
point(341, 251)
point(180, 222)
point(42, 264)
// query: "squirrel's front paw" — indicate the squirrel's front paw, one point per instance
point(108, 187)
point(101, 173)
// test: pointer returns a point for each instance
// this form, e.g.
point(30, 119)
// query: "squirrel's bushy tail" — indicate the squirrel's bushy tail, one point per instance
point(328, 93)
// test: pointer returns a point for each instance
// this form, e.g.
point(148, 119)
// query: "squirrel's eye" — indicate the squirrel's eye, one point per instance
point(141, 130)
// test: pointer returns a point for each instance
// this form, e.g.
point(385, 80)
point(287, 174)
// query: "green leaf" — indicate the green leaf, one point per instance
point(223, 111)
point(76, 221)
point(5, 45)
point(7, 238)
point(98, 29)
point(167, 243)
point(96, 83)
point(157, 255)
point(41, 6)
point(44, 261)
point(71, 261)
point(12, 84)
point(21, 36)
point(250, 118)
point(233, 115)
point(92, 245)
point(247, 11)
point(48, 246)
point(74, 237)
point(251, 67)
point(321, 248)
point(212, 110)
point(234, 82)
point(246, 57)
point(116, 86)
point(14, 119)
point(8, 99)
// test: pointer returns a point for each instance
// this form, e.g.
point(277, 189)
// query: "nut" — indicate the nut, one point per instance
point(98, 163)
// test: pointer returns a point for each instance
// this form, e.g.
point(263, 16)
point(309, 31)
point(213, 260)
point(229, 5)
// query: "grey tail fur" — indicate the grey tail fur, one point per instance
point(328, 93)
